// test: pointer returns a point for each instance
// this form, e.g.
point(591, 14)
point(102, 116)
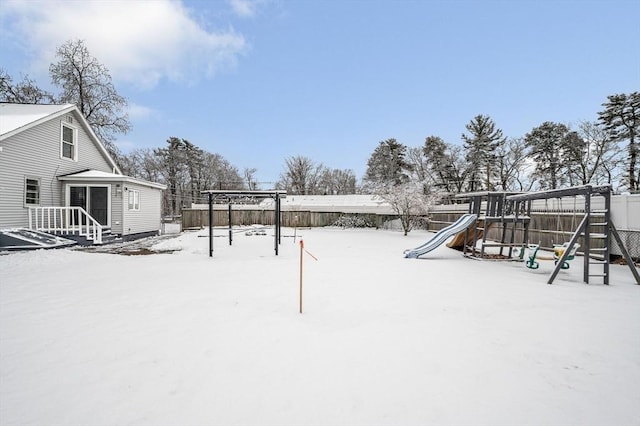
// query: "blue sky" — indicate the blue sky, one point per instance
point(260, 81)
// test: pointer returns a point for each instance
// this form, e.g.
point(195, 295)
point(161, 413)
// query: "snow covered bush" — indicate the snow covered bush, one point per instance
point(420, 222)
point(352, 221)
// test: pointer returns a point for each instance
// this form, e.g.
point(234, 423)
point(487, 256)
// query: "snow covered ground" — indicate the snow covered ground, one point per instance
point(184, 339)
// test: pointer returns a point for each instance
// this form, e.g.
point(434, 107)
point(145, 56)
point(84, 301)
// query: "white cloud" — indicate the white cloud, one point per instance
point(140, 42)
point(136, 111)
point(246, 8)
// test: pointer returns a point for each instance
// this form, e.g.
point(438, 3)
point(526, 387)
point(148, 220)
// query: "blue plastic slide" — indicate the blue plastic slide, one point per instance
point(441, 236)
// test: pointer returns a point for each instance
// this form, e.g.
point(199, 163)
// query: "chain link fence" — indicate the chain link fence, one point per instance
point(631, 240)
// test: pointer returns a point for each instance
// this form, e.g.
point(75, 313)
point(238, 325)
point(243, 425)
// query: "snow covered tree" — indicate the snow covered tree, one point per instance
point(409, 199)
point(387, 165)
point(621, 117)
point(171, 160)
point(480, 146)
point(446, 165)
point(193, 158)
point(551, 146)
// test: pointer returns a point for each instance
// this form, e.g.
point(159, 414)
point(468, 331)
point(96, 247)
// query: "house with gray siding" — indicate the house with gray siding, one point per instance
point(57, 177)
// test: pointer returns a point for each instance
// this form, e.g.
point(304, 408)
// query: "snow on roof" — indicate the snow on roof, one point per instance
point(97, 175)
point(94, 174)
point(16, 116)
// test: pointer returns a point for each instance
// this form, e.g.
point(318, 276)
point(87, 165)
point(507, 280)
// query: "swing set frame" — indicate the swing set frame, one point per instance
point(531, 261)
point(593, 218)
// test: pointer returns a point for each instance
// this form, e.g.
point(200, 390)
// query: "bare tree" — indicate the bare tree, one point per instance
point(343, 181)
point(511, 160)
point(86, 83)
point(142, 163)
point(250, 178)
point(593, 145)
point(219, 173)
point(419, 164)
point(302, 176)
point(23, 92)
point(446, 165)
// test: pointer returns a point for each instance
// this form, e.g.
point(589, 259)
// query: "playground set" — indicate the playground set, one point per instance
point(509, 214)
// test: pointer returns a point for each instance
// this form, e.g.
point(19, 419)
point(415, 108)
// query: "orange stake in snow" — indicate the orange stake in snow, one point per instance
point(302, 251)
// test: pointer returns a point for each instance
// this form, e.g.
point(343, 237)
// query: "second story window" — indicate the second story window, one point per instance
point(69, 144)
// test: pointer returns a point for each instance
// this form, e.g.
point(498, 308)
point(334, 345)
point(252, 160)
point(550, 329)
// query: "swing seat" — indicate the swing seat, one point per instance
point(531, 262)
point(559, 249)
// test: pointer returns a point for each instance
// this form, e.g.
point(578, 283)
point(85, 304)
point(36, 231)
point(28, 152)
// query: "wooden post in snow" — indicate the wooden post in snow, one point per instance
point(301, 252)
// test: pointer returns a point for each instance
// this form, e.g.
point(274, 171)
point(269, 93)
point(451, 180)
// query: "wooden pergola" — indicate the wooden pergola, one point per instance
point(229, 195)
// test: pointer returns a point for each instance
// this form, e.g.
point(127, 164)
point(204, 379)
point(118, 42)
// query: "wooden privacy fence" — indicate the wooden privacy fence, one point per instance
point(546, 228)
point(198, 218)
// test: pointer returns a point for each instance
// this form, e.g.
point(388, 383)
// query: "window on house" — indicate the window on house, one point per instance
point(68, 142)
point(31, 192)
point(134, 199)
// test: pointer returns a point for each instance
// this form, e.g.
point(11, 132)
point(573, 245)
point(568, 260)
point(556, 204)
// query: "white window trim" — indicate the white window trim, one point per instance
point(24, 199)
point(75, 142)
point(136, 197)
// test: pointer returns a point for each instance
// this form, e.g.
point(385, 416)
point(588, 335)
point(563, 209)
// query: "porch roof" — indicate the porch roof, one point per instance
point(100, 176)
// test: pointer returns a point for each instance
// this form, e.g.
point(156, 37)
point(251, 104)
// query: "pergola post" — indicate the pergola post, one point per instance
point(210, 224)
point(230, 230)
point(277, 222)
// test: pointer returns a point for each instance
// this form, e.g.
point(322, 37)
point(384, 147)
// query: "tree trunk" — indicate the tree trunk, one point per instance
point(633, 154)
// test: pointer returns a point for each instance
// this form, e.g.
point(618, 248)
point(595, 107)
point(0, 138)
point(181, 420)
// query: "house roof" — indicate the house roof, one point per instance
point(16, 118)
point(98, 176)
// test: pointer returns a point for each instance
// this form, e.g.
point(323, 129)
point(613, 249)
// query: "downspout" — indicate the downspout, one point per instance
point(55, 173)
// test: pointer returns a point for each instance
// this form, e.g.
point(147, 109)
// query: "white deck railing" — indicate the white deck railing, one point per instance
point(65, 220)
